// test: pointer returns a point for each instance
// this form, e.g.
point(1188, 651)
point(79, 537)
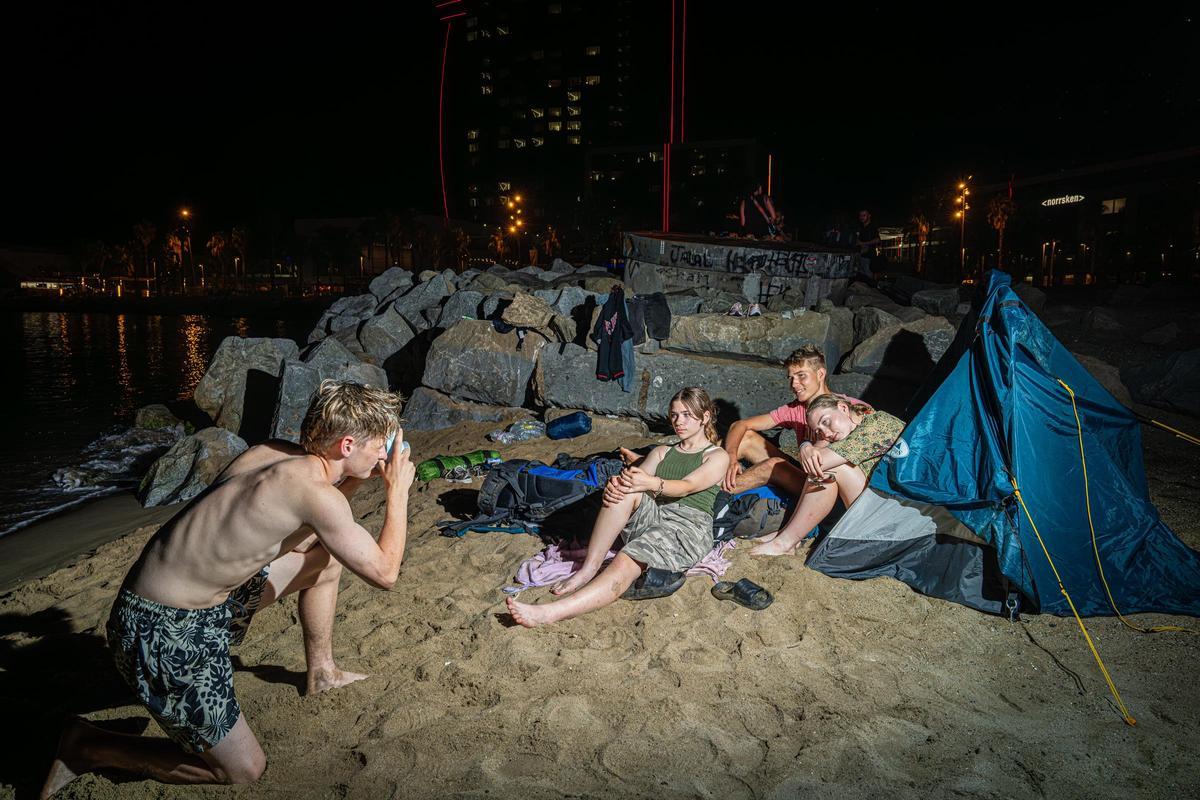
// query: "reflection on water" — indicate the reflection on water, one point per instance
point(71, 377)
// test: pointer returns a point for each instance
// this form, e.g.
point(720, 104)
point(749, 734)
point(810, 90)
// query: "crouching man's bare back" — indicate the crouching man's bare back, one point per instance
point(275, 522)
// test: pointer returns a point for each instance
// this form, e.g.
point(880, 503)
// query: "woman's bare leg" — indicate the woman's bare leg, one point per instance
point(607, 587)
point(609, 523)
point(815, 504)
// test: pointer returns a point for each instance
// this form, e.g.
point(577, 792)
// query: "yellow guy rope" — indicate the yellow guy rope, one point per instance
point(1095, 548)
point(1112, 687)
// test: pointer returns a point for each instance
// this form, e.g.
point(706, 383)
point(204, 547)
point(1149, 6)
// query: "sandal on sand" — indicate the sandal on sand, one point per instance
point(654, 582)
point(745, 593)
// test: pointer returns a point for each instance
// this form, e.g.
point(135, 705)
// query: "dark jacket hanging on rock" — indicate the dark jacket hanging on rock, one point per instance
point(614, 335)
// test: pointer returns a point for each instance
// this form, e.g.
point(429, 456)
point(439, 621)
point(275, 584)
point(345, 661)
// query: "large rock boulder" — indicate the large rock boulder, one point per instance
point(240, 363)
point(939, 302)
point(472, 361)
point(189, 467)
point(683, 303)
point(1172, 382)
point(883, 394)
point(428, 294)
point(869, 320)
point(566, 378)
point(769, 336)
point(390, 284)
point(1162, 336)
point(600, 284)
point(429, 410)
point(1031, 296)
point(1107, 376)
point(1102, 321)
point(464, 304)
point(300, 379)
point(904, 352)
point(384, 334)
point(154, 417)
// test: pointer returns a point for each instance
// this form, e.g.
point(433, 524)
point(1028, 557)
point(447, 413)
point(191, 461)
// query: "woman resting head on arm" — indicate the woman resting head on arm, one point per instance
point(858, 437)
point(661, 507)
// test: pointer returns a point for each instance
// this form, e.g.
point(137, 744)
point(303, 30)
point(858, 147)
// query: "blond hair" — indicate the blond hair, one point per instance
point(697, 401)
point(342, 408)
point(831, 401)
point(807, 356)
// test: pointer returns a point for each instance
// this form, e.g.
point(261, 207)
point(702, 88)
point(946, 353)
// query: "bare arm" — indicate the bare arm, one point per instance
point(707, 474)
point(376, 563)
point(733, 443)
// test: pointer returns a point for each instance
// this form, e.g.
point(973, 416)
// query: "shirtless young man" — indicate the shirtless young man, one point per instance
point(806, 376)
point(276, 521)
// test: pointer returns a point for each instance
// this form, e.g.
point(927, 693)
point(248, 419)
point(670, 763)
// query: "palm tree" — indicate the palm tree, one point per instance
point(239, 244)
point(144, 234)
point(173, 252)
point(216, 248)
point(1000, 210)
point(921, 228)
point(498, 245)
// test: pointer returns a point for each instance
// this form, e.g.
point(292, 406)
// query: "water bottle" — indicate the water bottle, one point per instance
point(570, 426)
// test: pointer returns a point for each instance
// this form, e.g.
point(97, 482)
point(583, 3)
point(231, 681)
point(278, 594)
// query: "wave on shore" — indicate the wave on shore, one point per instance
point(115, 461)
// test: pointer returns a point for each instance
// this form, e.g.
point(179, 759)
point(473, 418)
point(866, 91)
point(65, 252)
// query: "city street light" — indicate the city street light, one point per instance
point(961, 215)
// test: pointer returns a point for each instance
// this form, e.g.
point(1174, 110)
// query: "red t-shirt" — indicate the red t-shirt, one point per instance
point(792, 415)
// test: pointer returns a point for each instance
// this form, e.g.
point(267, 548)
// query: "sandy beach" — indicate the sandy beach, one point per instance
point(838, 690)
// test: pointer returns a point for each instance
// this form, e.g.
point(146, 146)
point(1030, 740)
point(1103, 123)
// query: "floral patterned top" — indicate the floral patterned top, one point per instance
point(870, 441)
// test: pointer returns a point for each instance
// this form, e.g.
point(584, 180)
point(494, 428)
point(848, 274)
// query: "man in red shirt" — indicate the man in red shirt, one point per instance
point(806, 376)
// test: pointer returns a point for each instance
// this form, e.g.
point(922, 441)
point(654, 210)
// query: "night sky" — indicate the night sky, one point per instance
point(252, 114)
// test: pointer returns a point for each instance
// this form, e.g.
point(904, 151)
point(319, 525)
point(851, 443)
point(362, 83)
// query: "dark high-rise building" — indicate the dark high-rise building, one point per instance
point(529, 86)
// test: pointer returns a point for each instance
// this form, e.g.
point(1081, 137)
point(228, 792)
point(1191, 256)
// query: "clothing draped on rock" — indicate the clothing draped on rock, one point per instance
point(614, 336)
point(650, 316)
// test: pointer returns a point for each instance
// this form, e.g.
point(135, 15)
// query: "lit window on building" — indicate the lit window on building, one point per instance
point(473, 188)
point(518, 143)
point(573, 111)
point(537, 113)
point(574, 96)
point(485, 89)
point(519, 113)
point(574, 82)
point(485, 76)
point(572, 140)
point(473, 148)
point(484, 33)
point(473, 202)
point(472, 22)
point(553, 83)
point(592, 80)
point(655, 155)
point(554, 126)
point(573, 125)
point(502, 144)
point(596, 175)
point(502, 30)
point(615, 123)
point(473, 134)
point(1114, 206)
point(537, 141)
point(593, 51)
point(556, 111)
point(471, 36)
point(697, 170)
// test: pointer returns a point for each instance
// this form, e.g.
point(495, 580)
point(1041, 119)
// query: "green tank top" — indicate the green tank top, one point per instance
point(677, 466)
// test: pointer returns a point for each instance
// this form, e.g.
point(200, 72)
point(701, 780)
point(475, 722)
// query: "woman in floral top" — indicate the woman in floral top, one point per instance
point(857, 438)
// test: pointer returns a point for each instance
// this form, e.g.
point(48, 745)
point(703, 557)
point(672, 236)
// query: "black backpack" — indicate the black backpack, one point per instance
point(525, 493)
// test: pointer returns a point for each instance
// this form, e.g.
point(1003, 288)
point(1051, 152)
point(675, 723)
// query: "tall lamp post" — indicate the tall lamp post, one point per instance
point(186, 216)
point(961, 214)
point(515, 222)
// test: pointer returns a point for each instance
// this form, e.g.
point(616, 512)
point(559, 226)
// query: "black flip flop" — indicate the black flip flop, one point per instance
point(654, 583)
point(745, 593)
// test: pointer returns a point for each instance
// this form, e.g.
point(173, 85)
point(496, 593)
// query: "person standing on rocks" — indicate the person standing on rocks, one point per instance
point(787, 473)
point(276, 521)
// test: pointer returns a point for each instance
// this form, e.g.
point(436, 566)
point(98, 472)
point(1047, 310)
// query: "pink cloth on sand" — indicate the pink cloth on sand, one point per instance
point(557, 563)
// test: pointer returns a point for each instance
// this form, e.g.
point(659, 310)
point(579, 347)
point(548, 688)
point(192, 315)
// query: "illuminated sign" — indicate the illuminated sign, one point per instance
point(1065, 200)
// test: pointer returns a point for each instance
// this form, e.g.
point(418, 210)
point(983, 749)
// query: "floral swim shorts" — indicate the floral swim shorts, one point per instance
point(176, 660)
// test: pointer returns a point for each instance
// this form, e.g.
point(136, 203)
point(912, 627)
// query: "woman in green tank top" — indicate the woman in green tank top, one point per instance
point(661, 506)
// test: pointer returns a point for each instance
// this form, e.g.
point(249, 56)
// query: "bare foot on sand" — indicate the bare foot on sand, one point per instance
point(576, 581)
point(530, 615)
point(66, 766)
point(326, 679)
point(773, 547)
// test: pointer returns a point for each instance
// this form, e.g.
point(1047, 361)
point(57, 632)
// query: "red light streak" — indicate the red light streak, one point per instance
point(452, 16)
point(446, 3)
point(441, 137)
point(683, 72)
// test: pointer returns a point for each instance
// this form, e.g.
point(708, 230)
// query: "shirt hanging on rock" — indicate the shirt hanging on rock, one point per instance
point(614, 335)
